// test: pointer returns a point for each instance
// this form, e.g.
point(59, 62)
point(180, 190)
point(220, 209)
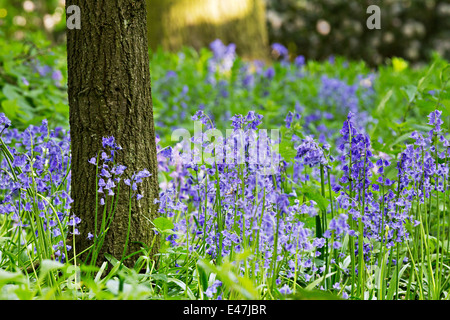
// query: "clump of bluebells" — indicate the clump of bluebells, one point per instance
point(368, 221)
point(34, 189)
point(223, 57)
point(35, 181)
point(343, 98)
point(240, 195)
point(110, 173)
point(254, 212)
point(221, 84)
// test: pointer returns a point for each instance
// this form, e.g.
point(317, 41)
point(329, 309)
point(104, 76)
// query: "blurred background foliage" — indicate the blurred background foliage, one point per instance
point(316, 29)
point(33, 62)
point(18, 18)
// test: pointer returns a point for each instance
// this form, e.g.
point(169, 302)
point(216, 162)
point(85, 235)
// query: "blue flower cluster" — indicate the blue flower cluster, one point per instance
point(34, 185)
point(223, 208)
point(265, 213)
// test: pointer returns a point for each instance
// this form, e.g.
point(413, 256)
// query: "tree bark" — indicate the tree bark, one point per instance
point(196, 23)
point(110, 95)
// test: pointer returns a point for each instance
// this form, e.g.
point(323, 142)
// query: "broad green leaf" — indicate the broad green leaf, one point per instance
point(410, 92)
point(313, 193)
point(287, 151)
point(8, 277)
point(392, 283)
point(203, 277)
point(10, 108)
point(163, 224)
point(48, 266)
point(400, 139)
point(160, 277)
point(445, 74)
point(10, 92)
point(313, 284)
point(111, 259)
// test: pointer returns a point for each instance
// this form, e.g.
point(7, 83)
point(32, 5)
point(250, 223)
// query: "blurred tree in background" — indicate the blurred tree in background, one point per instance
point(196, 23)
point(317, 29)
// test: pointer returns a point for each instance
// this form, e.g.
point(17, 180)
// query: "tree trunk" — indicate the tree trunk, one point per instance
point(110, 95)
point(196, 23)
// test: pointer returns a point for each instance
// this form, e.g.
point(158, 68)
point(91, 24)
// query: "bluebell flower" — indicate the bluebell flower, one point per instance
point(213, 289)
point(285, 290)
point(281, 51)
point(270, 73)
point(4, 122)
point(299, 61)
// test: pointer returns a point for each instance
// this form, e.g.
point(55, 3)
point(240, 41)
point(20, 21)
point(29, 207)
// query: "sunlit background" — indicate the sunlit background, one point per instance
point(316, 29)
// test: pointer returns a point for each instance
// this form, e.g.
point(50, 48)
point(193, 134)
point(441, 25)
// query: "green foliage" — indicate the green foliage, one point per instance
point(33, 82)
point(163, 224)
point(19, 19)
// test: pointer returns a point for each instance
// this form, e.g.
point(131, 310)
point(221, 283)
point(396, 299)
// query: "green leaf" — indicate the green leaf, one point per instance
point(391, 172)
point(160, 277)
point(400, 139)
point(111, 259)
point(392, 286)
point(10, 92)
point(426, 106)
point(382, 103)
point(313, 284)
point(10, 108)
point(203, 277)
point(49, 265)
point(410, 91)
point(424, 80)
point(421, 127)
point(445, 74)
point(313, 193)
point(287, 150)
point(182, 285)
point(100, 272)
point(163, 224)
point(8, 277)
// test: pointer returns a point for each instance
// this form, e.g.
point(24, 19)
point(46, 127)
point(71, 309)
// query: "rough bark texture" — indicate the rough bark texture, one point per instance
point(110, 95)
point(196, 23)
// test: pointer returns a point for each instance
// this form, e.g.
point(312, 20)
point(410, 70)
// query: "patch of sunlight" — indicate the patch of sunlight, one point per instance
point(211, 11)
